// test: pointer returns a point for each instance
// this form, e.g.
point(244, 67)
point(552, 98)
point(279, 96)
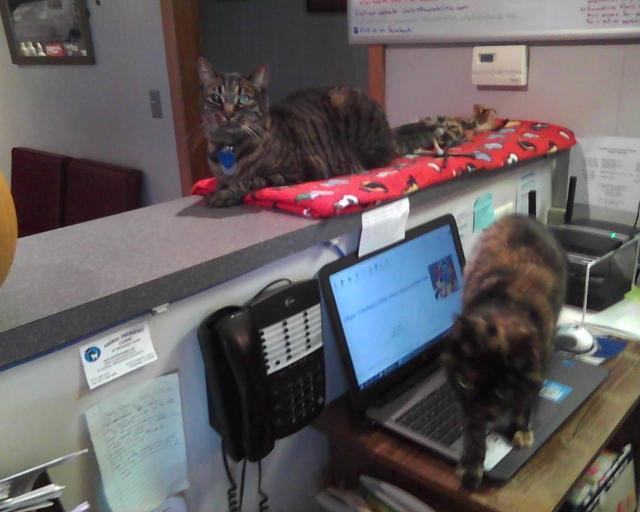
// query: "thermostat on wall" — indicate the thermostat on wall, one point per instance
point(500, 65)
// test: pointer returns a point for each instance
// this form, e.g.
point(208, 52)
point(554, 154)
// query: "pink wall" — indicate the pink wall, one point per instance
point(592, 89)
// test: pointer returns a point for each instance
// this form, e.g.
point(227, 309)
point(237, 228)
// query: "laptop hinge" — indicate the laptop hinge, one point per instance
point(407, 383)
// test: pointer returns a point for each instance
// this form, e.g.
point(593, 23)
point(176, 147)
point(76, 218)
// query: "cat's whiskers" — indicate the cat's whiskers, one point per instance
point(253, 132)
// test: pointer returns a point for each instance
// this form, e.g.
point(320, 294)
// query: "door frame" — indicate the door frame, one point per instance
point(182, 41)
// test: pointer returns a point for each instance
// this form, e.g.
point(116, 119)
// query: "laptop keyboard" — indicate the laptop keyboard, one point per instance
point(436, 416)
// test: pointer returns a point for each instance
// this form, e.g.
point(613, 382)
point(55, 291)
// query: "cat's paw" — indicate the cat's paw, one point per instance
point(522, 439)
point(470, 477)
point(224, 197)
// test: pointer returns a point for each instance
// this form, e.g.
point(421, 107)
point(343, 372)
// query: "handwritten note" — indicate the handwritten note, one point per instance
point(608, 172)
point(138, 439)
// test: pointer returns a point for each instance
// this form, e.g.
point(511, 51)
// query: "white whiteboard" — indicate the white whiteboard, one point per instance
point(449, 21)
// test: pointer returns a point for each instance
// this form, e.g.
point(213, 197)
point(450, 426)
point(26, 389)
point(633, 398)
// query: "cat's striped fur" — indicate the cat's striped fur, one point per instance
point(313, 134)
point(498, 352)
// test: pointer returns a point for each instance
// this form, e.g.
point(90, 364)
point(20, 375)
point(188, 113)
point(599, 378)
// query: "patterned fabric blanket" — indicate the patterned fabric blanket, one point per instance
point(515, 142)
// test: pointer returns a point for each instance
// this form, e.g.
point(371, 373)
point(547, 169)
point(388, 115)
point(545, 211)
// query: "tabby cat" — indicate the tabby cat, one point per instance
point(501, 343)
point(313, 134)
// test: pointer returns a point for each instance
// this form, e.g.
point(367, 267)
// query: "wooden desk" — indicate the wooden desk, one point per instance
point(610, 417)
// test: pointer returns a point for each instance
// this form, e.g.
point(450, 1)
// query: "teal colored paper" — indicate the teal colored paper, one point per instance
point(483, 214)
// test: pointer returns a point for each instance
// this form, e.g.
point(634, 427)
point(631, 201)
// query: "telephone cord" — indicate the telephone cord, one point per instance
point(235, 505)
point(281, 280)
point(244, 470)
point(263, 505)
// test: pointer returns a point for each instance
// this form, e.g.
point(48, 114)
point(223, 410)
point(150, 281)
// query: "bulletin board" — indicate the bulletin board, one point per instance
point(459, 21)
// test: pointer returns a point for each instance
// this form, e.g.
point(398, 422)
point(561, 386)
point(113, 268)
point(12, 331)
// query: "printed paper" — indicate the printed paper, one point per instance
point(464, 221)
point(526, 184)
point(383, 226)
point(608, 172)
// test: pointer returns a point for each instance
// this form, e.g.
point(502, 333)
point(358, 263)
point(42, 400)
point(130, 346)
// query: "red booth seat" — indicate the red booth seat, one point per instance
point(51, 191)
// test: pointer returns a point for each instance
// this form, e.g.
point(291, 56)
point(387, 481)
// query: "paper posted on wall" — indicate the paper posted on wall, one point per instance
point(138, 438)
point(608, 172)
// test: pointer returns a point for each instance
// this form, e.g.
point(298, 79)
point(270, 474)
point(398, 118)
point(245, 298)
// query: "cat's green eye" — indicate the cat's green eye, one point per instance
point(244, 99)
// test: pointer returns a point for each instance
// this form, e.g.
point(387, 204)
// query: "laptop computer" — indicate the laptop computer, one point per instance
point(391, 312)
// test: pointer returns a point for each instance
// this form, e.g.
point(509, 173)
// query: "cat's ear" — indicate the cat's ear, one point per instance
point(485, 116)
point(260, 77)
point(206, 71)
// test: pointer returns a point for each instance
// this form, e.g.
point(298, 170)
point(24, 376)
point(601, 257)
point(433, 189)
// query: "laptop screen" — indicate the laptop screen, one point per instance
point(396, 304)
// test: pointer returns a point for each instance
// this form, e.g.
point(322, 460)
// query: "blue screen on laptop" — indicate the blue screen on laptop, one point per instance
point(395, 304)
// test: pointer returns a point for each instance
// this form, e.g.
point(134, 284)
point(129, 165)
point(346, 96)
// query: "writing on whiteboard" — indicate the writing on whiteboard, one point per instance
point(612, 12)
point(433, 20)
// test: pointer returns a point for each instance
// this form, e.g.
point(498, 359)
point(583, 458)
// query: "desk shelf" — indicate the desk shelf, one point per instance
point(609, 417)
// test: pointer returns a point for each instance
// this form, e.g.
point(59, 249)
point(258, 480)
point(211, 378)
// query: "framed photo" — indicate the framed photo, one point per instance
point(326, 5)
point(47, 31)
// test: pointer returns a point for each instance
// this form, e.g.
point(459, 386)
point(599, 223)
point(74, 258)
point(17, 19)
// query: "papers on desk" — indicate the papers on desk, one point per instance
point(138, 438)
point(18, 495)
point(370, 495)
point(32, 500)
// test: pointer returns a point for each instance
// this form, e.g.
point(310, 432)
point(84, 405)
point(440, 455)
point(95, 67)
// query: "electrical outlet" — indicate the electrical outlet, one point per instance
point(156, 103)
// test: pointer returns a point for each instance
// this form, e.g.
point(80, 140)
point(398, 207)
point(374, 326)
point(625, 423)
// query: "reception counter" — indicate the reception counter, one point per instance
point(173, 264)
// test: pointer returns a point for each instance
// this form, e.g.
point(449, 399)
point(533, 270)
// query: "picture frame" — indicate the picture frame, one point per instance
point(326, 5)
point(47, 31)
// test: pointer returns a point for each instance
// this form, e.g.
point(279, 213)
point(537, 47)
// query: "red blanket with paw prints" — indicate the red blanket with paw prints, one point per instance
point(517, 141)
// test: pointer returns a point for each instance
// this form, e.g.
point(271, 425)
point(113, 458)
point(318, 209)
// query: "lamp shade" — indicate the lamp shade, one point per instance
point(8, 229)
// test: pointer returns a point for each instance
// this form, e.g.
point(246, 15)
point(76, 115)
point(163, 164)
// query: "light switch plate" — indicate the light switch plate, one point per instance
point(155, 101)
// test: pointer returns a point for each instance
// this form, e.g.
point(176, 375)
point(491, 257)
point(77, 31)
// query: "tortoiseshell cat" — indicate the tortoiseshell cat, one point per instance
point(500, 346)
point(313, 134)
point(440, 132)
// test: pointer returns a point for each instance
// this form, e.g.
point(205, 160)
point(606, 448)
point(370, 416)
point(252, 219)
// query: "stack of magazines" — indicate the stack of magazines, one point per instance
point(371, 495)
point(17, 492)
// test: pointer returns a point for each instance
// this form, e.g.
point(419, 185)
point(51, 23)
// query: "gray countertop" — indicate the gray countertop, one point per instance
point(73, 282)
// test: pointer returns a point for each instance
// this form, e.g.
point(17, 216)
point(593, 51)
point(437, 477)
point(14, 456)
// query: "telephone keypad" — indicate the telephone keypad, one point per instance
point(297, 393)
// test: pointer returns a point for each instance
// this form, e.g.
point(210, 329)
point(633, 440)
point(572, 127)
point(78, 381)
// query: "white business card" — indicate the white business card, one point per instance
point(117, 353)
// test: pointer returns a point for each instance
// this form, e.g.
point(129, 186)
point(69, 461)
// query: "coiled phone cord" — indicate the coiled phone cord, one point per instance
point(235, 502)
point(263, 505)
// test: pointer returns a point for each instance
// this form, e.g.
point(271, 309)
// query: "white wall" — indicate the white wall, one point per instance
point(101, 111)
point(301, 49)
point(592, 89)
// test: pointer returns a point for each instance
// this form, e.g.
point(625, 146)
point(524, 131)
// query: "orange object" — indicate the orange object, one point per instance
point(8, 229)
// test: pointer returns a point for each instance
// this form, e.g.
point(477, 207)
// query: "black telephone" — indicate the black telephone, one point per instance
point(264, 368)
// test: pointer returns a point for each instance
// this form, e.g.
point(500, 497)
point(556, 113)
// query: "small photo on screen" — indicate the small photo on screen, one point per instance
point(443, 277)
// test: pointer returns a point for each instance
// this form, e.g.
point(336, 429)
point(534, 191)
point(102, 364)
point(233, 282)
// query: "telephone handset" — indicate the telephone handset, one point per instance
point(264, 368)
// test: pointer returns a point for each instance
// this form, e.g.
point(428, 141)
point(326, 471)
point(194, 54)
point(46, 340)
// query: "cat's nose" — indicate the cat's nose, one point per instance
point(228, 111)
